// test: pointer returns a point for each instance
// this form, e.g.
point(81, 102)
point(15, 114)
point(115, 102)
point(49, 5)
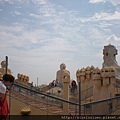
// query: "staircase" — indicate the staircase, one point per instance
point(39, 104)
point(43, 104)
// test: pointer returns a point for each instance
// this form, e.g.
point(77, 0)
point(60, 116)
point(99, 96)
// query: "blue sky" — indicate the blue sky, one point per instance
point(39, 35)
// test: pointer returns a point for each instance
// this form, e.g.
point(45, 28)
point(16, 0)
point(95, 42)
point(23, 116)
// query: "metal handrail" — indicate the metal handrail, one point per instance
point(42, 93)
point(49, 97)
point(100, 101)
point(45, 94)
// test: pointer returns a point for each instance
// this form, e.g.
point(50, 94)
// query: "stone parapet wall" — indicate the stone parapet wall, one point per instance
point(23, 79)
point(103, 81)
point(85, 75)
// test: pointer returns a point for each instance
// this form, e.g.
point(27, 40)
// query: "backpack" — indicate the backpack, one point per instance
point(4, 110)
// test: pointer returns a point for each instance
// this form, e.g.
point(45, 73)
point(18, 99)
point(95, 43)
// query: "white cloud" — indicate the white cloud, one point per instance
point(113, 37)
point(14, 1)
point(23, 38)
point(41, 2)
point(114, 2)
point(35, 15)
point(17, 12)
point(107, 16)
point(20, 37)
point(97, 1)
point(102, 16)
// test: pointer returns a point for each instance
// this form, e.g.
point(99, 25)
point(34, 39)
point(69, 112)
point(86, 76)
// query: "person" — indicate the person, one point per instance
point(73, 87)
point(7, 82)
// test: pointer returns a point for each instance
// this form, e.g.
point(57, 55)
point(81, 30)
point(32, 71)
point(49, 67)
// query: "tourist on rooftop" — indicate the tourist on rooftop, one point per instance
point(7, 81)
point(73, 87)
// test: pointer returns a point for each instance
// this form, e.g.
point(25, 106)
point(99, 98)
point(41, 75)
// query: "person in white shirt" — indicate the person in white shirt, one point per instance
point(2, 90)
point(6, 81)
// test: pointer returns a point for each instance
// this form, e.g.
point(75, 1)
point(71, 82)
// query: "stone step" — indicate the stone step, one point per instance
point(43, 106)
